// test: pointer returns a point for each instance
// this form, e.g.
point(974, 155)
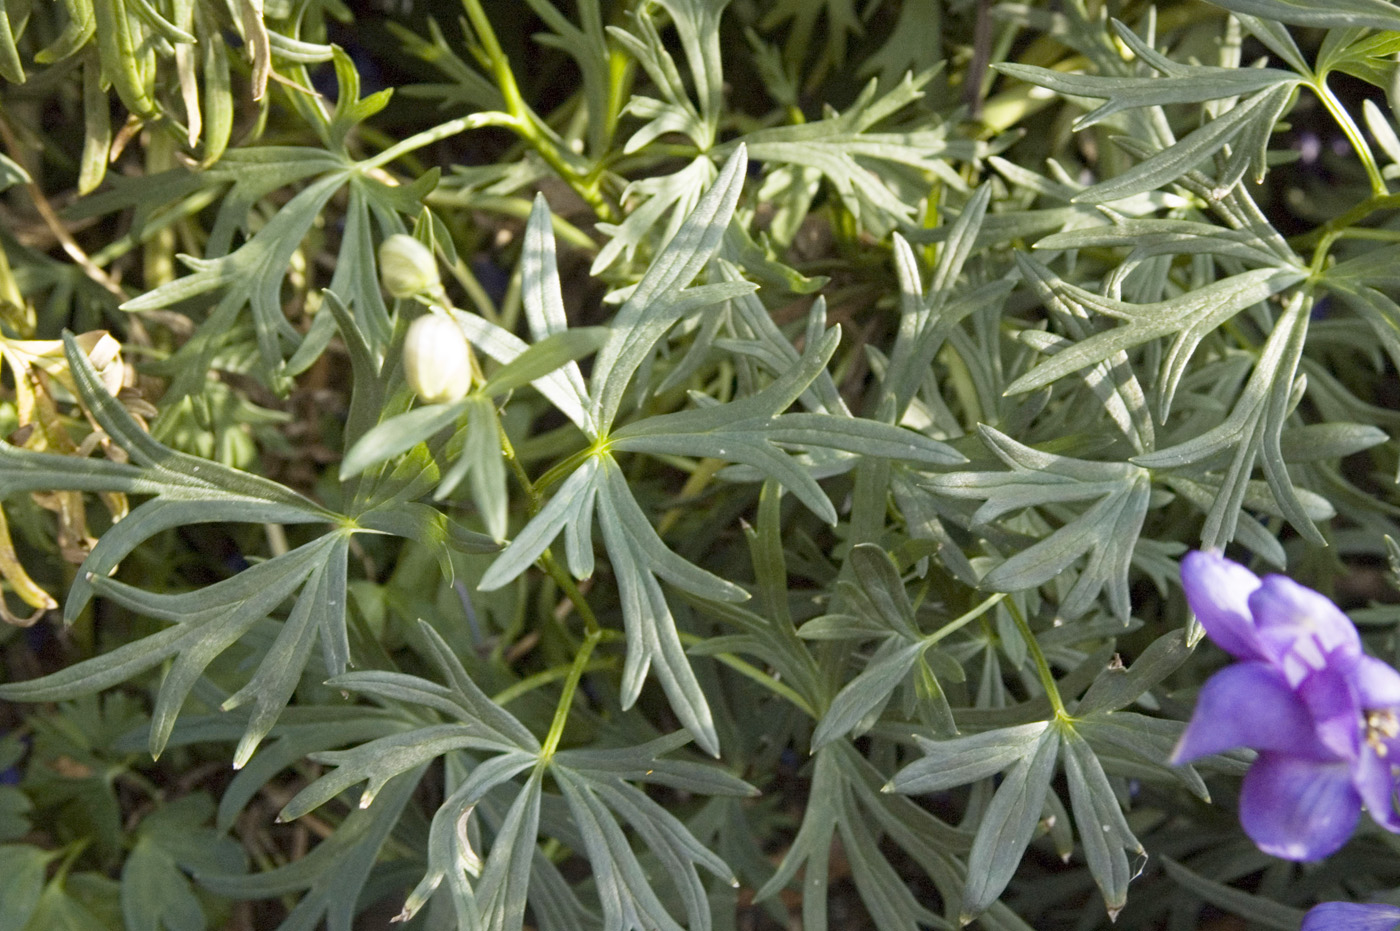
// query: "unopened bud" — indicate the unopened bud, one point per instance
point(437, 360)
point(407, 267)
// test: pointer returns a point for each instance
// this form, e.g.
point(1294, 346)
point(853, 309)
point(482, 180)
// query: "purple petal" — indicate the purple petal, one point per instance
point(1344, 916)
point(1298, 809)
point(1250, 705)
point(1218, 591)
point(1377, 683)
point(1375, 781)
point(1330, 697)
point(1301, 629)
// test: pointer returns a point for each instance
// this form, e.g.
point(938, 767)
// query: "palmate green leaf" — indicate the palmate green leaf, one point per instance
point(570, 511)
point(864, 167)
point(318, 613)
point(740, 431)
point(483, 727)
point(662, 297)
point(675, 112)
point(885, 894)
point(450, 854)
point(1265, 911)
point(1370, 58)
point(299, 732)
point(888, 668)
point(1138, 746)
point(587, 45)
point(1265, 93)
point(1008, 824)
point(751, 430)
point(842, 23)
point(963, 760)
point(1381, 313)
point(1190, 317)
point(639, 558)
point(381, 760)
point(11, 68)
point(1119, 686)
point(932, 844)
point(1176, 84)
point(650, 763)
point(22, 868)
point(670, 197)
point(170, 842)
point(1247, 125)
point(876, 597)
point(187, 489)
point(761, 339)
point(1375, 14)
point(628, 899)
point(811, 848)
point(697, 25)
point(206, 621)
point(1252, 432)
point(354, 279)
point(465, 87)
point(333, 874)
point(1104, 532)
point(503, 891)
point(1148, 237)
point(398, 434)
point(1103, 830)
point(846, 791)
point(923, 322)
point(58, 910)
point(768, 633)
point(252, 275)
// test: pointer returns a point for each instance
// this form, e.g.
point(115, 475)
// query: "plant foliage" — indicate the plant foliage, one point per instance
point(843, 384)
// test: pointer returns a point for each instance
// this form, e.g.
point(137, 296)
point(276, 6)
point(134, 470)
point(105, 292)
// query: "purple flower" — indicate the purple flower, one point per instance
point(1344, 916)
point(1324, 716)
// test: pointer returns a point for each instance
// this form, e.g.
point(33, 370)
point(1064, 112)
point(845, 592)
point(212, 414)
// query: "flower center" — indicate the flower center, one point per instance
point(1381, 725)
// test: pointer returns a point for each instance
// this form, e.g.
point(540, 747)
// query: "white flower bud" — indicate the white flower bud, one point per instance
point(105, 354)
point(407, 267)
point(437, 360)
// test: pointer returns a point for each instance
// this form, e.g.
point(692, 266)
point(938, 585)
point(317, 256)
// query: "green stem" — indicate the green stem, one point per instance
point(751, 671)
point(566, 700)
point(437, 134)
point(508, 450)
point(1042, 667)
point(571, 591)
point(547, 561)
point(530, 683)
point(1353, 134)
point(958, 623)
point(528, 125)
point(557, 473)
point(1346, 220)
point(500, 65)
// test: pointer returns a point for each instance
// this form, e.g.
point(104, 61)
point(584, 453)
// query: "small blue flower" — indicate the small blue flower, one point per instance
point(1324, 716)
point(1344, 916)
